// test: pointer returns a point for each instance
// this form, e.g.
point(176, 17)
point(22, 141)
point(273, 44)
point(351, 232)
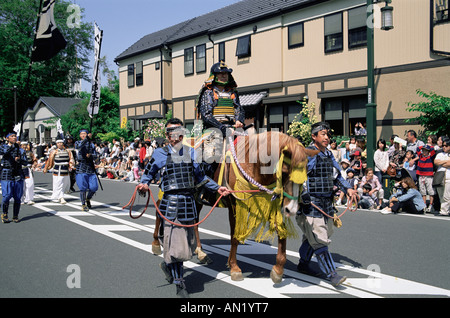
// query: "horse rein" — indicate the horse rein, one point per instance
point(133, 198)
point(335, 217)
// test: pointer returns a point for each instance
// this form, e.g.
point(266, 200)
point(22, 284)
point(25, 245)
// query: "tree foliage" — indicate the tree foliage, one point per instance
point(54, 77)
point(105, 125)
point(301, 125)
point(433, 113)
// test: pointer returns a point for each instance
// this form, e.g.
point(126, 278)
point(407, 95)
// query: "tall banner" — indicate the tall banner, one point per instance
point(59, 129)
point(94, 103)
point(48, 40)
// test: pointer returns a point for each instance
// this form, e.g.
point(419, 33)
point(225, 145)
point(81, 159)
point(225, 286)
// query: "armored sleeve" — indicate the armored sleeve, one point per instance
point(155, 164)
point(239, 111)
point(207, 105)
point(339, 181)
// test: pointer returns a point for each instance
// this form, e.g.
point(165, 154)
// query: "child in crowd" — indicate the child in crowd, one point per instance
point(425, 173)
point(353, 181)
point(409, 155)
point(129, 176)
point(136, 168)
point(368, 200)
point(352, 144)
point(376, 187)
point(344, 166)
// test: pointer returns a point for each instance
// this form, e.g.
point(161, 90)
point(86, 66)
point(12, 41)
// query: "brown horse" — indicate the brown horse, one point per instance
point(269, 147)
point(257, 155)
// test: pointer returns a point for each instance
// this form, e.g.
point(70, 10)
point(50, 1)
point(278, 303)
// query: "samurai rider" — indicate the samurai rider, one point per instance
point(180, 175)
point(12, 175)
point(323, 174)
point(86, 176)
point(219, 108)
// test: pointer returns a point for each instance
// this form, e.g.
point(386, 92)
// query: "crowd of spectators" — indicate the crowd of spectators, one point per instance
point(391, 160)
point(126, 160)
point(119, 160)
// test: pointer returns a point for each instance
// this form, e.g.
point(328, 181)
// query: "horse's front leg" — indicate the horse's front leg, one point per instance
point(276, 274)
point(235, 271)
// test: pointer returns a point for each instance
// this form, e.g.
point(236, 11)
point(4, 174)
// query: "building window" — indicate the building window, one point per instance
point(200, 58)
point(333, 33)
point(139, 74)
point(295, 35)
point(189, 61)
point(343, 113)
point(442, 9)
point(276, 117)
point(357, 27)
point(243, 48)
point(222, 51)
point(131, 75)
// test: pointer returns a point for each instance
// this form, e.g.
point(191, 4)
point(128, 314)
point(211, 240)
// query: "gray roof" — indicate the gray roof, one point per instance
point(58, 105)
point(251, 99)
point(240, 13)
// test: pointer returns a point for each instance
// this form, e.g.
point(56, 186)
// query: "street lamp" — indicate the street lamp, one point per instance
point(387, 18)
point(371, 106)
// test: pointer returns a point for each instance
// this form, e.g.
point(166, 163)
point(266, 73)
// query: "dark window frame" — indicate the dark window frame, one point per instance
point(247, 51)
point(130, 75)
point(359, 33)
point(443, 11)
point(197, 59)
point(338, 37)
point(221, 51)
point(302, 43)
point(140, 75)
point(190, 51)
point(347, 124)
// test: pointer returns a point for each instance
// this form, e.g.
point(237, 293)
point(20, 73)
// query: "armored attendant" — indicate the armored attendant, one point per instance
point(180, 175)
point(12, 176)
point(62, 162)
point(69, 143)
point(28, 186)
point(317, 228)
point(219, 108)
point(86, 176)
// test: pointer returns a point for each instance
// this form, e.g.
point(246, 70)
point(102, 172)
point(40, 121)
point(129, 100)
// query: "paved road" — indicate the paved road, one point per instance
point(59, 251)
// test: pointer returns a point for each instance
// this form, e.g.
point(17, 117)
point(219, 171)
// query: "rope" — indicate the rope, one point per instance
point(133, 198)
point(336, 218)
point(248, 177)
point(245, 174)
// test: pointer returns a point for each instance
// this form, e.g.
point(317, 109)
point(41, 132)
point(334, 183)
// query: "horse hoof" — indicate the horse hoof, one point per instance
point(276, 278)
point(156, 249)
point(202, 256)
point(237, 276)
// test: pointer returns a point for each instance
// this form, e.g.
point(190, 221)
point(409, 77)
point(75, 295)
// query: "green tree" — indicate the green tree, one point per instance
point(300, 127)
point(53, 77)
point(105, 125)
point(433, 113)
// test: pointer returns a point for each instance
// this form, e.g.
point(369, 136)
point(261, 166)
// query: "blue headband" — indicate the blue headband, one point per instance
point(84, 130)
point(11, 133)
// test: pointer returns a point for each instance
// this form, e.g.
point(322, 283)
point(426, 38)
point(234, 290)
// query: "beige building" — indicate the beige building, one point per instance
point(285, 51)
point(37, 126)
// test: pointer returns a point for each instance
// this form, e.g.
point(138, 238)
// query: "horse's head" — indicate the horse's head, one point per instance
point(294, 157)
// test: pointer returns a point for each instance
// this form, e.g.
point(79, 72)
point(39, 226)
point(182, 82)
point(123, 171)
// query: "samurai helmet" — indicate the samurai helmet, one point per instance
point(221, 67)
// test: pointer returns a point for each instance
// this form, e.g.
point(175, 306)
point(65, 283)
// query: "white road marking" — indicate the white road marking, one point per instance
point(372, 286)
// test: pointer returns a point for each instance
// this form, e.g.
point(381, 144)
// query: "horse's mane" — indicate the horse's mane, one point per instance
point(264, 145)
